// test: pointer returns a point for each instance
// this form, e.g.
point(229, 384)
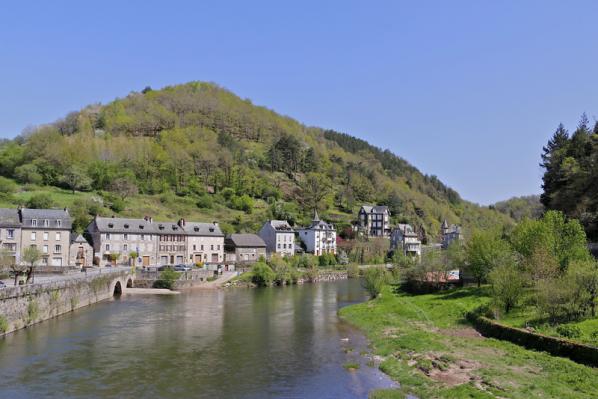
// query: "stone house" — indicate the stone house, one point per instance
point(123, 236)
point(80, 252)
point(449, 233)
point(205, 242)
point(50, 231)
point(404, 238)
point(279, 237)
point(374, 221)
point(172, 243)
point(10, 233)
point(319, 238)
point(244, 248)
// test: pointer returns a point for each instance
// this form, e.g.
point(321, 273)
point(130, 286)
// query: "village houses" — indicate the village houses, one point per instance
point(449, 234)
point(244, 248)
point(279, 237)
point(374, 221)
point(404, 239)
point(319, 238)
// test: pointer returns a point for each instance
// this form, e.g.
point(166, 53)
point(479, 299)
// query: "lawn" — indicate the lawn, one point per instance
point(426, 345)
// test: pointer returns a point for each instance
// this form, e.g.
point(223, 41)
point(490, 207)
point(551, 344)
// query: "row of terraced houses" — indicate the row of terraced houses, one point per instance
point(145, 242)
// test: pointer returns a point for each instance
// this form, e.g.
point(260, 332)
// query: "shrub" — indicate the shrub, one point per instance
point(374, 279)
point(3, 325)
point(263, 275)
point(205, 201)
point(568, 331)
point(7, 186)
point(353, 270)
point(40, 201)
point(507, 286)
point(167, 279)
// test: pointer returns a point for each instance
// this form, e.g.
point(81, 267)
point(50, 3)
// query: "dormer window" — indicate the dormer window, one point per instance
point(111, 225)
point(34, 222)
point(161, 227)
point(126, 226)
point(46, 222)
point(59, 223)
point(196, 228)
point(211, 229)
point(141, 226)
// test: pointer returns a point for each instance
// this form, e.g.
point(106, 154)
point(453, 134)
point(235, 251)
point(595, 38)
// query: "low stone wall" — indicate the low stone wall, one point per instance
point(22, 306)
point(575, 351)
point(325, 276)
point(189, 279)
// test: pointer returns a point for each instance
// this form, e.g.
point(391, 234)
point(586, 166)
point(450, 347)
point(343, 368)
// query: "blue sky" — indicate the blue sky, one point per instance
point(466, 90)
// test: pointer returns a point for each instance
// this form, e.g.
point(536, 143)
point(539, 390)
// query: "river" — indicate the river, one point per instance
point(282, 342)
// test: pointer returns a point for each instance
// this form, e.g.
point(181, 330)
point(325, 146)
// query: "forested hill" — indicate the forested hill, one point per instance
point(570, 181)
point(199, 150)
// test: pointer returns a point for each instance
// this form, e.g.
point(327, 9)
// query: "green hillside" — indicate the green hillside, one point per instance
point(199, 151)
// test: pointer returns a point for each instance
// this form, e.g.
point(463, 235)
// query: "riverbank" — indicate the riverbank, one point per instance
point(425, 344)
point(245, 279)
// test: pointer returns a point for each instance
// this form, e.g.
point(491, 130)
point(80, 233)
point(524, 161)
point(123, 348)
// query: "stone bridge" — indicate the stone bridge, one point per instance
point(25, 305)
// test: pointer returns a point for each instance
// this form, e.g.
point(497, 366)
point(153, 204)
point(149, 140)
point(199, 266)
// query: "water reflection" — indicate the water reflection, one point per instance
point(241, 343)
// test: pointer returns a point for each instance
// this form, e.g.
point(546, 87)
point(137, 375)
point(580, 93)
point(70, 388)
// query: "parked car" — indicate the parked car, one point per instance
point(164, 267)
point(182, 268)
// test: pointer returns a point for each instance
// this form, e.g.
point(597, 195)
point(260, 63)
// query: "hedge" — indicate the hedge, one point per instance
point(580, 353)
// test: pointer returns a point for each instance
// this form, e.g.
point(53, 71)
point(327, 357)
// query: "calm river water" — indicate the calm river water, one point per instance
point(241, 343)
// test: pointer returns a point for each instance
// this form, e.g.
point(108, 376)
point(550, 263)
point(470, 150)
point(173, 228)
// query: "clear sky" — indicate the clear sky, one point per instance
point(466, 90)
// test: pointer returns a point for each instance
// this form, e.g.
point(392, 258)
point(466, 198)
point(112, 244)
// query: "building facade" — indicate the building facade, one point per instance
point(244, 248)
point(80, 252)
point(404, 238)
point(205, 242)
point(449, 234)
point(319, 238)
point(49, 230)
point(374, 221)
point(122, 237)
point(172, 243)
point(10, 234)
point(279, 237)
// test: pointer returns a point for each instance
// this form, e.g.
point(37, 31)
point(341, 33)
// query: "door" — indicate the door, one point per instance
point(56, 261)
point(164, 260)
point(214, 258)
point(146, 260)
point(179, 259)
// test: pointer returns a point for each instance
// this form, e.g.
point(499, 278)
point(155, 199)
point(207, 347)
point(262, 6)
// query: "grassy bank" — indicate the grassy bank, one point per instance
point(426, 345)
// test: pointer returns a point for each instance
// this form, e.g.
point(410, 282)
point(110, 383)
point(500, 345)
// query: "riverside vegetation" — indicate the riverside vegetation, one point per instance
point(538, 275)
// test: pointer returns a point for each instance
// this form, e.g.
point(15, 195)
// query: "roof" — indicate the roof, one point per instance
point(202, 229)
point(375, 208)
point(281, 225)
point(444, 224)
point(319, 225)
point(9, 217)
point(52, 215)
point(406, 229)
point(78, 238)
point(246, 240)
point(124, 225)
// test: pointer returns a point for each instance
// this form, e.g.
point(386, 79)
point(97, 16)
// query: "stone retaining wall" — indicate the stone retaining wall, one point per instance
point(22, 306)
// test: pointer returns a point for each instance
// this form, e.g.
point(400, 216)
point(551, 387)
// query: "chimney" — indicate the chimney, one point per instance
point(182, 222)
point(215, 223)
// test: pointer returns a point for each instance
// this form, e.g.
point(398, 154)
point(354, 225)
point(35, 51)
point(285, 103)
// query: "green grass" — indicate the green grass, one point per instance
point(419, 335)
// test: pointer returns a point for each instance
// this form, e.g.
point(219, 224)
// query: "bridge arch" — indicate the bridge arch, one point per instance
point(129, 282)
point(118, 290)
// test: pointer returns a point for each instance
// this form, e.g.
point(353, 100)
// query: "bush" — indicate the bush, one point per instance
point(40, 201)
point(374, 278)
point(567, 331)
point(7, 186)
point(205, 202)
point(507, 286)
point(353, 270)
point(167, 279)
point(28, 174)
point(263, 275)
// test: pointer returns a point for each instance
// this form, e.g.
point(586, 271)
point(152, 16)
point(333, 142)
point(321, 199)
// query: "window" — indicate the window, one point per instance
point(107, 247)
point(218, 247)
point(33, 236)
point(194, 247)
point(45, 261)
point(57, 236)
point(142, 237)
point(125, 236)
point(46, 222)
point(10, 233)
point(59, 223)
point(125, 247)
point(45, 249)
point(45, 236)
point(57, 249)
point(107, 236)
point(278, 245)
point(212, 247)
point(34, 222)
point(202, 247)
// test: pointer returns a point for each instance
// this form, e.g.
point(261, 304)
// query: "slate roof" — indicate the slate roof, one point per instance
point(281, 225)
point(203, 229)
point(375, 209)
point(52, 215)
point(78, 238)
point(245, 240)
point(407, 229)
point(124, 225)
point(9, 217)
